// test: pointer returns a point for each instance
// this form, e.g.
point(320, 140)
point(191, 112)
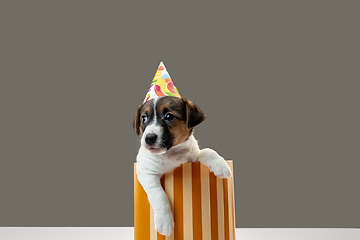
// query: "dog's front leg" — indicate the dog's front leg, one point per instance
point(164, 222)
point(215, 163)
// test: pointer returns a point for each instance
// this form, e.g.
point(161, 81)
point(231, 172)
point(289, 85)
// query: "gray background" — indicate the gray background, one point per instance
point(278, 80)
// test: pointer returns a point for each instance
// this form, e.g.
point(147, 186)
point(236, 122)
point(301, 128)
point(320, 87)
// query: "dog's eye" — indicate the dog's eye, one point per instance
point(144, 118)
point(169, 117)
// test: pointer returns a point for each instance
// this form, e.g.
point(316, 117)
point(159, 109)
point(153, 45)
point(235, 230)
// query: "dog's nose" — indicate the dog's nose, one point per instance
point(150, 138)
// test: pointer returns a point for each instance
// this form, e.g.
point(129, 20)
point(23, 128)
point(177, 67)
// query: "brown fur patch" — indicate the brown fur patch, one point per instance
point(180, 131)
point(146, 108)
point(194, 114)
point(178, 128)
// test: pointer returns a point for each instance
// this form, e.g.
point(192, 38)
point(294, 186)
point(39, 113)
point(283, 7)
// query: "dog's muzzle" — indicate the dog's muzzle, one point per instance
point(152, 144)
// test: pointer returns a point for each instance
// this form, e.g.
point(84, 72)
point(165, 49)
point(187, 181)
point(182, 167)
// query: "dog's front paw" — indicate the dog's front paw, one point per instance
point(164, 223)
point(221, 169)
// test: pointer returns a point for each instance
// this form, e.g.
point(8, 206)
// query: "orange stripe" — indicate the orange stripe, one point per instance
point(196, 203)
point(213, 205)
point(141, 211)
point(226, 208)
point(187, 201)
point(205, 202)
point(178, 204)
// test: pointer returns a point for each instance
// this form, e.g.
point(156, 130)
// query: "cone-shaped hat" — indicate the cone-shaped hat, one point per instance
point(161, 85)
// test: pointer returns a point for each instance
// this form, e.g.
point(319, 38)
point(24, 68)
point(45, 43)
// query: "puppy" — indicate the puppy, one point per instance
point(166, 127)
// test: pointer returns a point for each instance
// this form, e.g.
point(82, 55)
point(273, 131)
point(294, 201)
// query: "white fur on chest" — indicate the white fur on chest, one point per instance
point(160, 164)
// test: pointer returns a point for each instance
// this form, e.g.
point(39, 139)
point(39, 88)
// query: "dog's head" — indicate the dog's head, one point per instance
point(165, 122)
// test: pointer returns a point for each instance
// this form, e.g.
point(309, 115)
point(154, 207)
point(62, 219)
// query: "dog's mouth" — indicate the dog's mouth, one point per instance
point(158, 147)
point(156, 150)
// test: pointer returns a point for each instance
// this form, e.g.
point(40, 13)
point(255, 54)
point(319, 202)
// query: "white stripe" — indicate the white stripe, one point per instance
point(233, 195)
point(205, 202)
point(220, 208)
point(230, 206)
point(153, 232)
point(169, 189)
point(187, 202)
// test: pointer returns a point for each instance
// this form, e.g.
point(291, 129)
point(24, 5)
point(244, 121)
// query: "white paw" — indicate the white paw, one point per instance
point(221, 169)
point(164, 223)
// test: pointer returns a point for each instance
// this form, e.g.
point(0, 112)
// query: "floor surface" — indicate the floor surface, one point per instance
point(126, 233)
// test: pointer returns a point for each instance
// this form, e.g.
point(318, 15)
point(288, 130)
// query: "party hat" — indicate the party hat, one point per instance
point(161, 85)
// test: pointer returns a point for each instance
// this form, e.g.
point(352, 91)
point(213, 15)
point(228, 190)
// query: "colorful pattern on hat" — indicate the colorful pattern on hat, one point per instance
point(161, 85)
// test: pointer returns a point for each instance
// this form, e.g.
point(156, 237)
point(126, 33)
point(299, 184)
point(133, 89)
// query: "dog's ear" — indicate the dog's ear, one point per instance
point(194, 115)
point(136, 121)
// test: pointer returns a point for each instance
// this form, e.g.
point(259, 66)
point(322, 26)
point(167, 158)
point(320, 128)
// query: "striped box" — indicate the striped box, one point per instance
point(202, 205)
